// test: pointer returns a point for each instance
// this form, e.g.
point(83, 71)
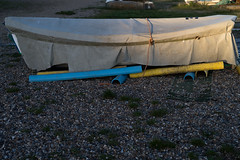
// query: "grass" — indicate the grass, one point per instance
point(136, 0)
point(229, 149)
point(104, 131)
point(136, 113)
point(125, 98)
point(75, 151)
point(108, 94)
point(129, 98)
point(151, 122)
point(6, 4)
point(10, 65)
point(46, 129)
point(66, 13)
point(155, 102)
point(160, 13)
point(133, 105)
point(60, 133)
point(107, 132)
point(27, 97)
point(138, 122)
point(77, 94)
point(133, 102)
point(55, 155)
point(36, 110)
point(113, 142)
point(139, 130)
point(197, 142)
point(196, 6)
point(159, 112)
point(208, 133)
point(160, 144)
point(193, 156)
point(166, 9)
point(37, 89)
point(129, 13)
point(91, 138)
point(31, 157)
point(212, 155)
point(181, 106)
point(13, 83)
point(110, 135)
point(89, 8)
point(25, 130)
point(106, 157)
point(49, 101)
point(12, 90)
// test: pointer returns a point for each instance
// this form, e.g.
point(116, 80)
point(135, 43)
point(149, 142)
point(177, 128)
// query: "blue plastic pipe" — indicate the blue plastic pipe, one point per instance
point(120, 79)
point(85, 75)
point(190, 74)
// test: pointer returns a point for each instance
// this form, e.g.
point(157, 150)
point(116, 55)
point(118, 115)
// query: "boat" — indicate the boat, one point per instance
point(204, 2)
point(96, 44)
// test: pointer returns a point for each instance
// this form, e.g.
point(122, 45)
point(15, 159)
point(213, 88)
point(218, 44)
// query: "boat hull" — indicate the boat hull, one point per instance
point(187, 41)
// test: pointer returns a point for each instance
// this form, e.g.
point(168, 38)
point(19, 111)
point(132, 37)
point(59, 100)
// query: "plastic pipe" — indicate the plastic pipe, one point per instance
point(57, 72)
point(120, 79)
point(238, 69)
point(197, 73)
point(180, 69)
point(189, 74)
point(51, 72)
point(85, 75)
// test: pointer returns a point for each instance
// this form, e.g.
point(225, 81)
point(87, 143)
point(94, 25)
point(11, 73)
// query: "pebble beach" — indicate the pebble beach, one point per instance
point(162, 117)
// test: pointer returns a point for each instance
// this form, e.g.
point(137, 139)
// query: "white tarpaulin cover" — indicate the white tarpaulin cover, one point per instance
point(94, 44)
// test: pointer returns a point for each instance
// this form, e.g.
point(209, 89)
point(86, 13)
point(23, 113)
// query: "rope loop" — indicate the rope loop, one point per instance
point(151, 42)
point(150, 32)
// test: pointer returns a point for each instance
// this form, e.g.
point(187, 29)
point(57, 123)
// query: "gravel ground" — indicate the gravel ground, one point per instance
point(93, 119)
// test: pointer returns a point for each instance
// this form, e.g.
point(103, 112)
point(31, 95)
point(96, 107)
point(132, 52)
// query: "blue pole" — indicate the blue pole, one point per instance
point(190, 74)
point(120, 79)
point(85, 75)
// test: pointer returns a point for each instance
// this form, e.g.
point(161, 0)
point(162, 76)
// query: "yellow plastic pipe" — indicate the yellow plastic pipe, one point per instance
point(51, 72)
point(238, 69)
point(180, 69)
point(206, 73)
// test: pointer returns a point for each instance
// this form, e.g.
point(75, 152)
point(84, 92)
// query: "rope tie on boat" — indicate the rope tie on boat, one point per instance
point(151, 42)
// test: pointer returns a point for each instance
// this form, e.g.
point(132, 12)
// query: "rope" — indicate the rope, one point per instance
point(151, 42)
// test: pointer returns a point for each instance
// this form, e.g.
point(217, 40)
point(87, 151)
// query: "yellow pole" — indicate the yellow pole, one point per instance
point(51, 72)
point(206, 73)
point(238, 69)
point(180, 69)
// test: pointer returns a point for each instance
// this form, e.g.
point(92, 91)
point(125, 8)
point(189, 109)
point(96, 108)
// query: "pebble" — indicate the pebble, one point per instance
point(77, 123)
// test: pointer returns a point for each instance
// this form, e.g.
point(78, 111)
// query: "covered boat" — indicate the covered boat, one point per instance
point(94, 44)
